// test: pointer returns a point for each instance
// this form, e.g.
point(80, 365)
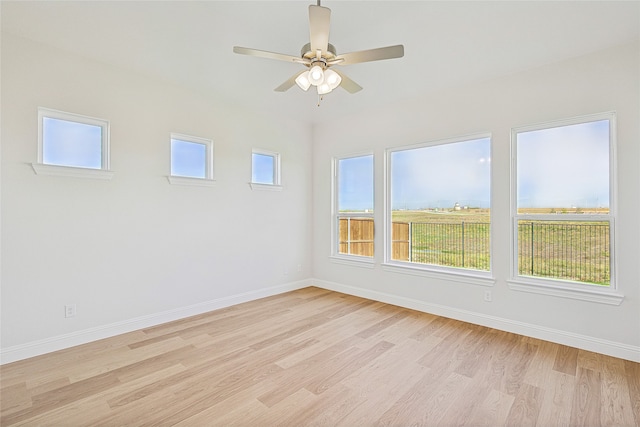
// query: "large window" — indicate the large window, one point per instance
point(68, 142)
point(353, 206)
point(562, 205)
point(439, 205)
point(191, 160)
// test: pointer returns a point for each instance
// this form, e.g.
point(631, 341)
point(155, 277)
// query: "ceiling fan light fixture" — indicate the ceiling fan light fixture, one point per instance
point(324, 88)
point(332, 78)
point(316, 75)
point(303, 81)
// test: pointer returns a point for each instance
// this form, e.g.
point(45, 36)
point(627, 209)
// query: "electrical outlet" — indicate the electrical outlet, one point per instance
point(299, 268)
point(70, 310)
point(487, 296)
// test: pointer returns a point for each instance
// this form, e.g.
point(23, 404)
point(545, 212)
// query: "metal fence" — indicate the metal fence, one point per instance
point(554, 249)
point(570, 251)
point(463, 244)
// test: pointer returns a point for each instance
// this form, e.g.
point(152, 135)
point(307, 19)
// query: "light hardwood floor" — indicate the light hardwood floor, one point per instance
point(315, 357)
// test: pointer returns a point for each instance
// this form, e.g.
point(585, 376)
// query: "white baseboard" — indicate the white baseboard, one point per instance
point(48, 345)
point(610, 348)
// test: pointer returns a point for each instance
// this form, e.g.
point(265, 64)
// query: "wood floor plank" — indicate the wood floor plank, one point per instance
point(632, 371)
point(493, 410)
point(558, 397)
point(616, 409)
point(566, 360)
point(526, 406)
point(317, 357)
point(320, 383)
point(585, 410)
point(15, 398)
point(520, 359)
point(427, 401)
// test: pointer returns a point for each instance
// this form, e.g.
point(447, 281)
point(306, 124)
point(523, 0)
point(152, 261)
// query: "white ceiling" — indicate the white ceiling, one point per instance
point(447, 44)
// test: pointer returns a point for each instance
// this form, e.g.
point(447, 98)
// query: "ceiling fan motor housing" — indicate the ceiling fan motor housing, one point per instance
point(329, 55)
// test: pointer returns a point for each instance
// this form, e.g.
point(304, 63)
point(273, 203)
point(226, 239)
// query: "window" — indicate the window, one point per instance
point(562, 206)
point(353, 206)
point(439, 206)
point(191, 160)
point(72, 144)
point(265, 170)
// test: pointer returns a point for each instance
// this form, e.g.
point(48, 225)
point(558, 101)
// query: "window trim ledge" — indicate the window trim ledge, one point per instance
point(355, 262)
point(465, 278)
point(71, 171)
point(265, 187)
point(611, 298)
point(196, 182)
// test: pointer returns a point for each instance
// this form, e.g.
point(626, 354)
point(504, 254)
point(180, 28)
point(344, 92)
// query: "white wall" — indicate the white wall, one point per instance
point(600, 82)
point(136, 250)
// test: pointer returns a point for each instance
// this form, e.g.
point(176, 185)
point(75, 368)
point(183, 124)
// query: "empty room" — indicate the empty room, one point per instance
point(328, 213)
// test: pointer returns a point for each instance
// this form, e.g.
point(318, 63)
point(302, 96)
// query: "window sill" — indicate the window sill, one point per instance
point(198, 182)
point(265, 187)
point(355, 261)
point(70, 171)
point(589, 294)
point(466, 278)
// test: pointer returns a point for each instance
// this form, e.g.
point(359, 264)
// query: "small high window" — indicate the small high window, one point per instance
point(191, 160)
point(265, 169)
point(71, 144)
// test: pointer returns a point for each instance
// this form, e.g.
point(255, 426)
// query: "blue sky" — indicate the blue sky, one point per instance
point(441, 175)
point(262, 171)
point(355, 192)
point(188, 159)
point(564, 166)
point(71, 144)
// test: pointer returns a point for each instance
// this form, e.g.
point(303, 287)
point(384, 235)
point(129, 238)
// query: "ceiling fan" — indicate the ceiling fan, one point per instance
point(319, 56)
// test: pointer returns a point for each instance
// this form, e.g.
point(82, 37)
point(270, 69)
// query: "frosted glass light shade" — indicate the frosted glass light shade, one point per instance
point(303, 81)
point(332, 78)
point(324, 88)
point(316, 75)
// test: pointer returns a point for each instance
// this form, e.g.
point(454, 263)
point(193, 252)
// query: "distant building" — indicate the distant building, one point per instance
point(456, 207)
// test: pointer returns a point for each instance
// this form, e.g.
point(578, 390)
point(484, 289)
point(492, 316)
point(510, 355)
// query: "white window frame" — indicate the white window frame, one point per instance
point(41, 168)
point(208, 179)
point(460, 275)
point(276, 186)
point(560, 287)
point(335, 255)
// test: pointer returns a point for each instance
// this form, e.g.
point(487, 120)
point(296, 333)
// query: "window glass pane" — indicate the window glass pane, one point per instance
point(188, 159)
point(68, 143)
point(568, 250)
point(440, 204)
point(262, 169)
point(355, 184)
point(564, 169)
point(355, 194)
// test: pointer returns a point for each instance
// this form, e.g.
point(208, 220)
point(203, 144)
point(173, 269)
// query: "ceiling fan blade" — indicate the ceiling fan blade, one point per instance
point(269, 55)
point(378, 54)
point(319, 22)
point(289, 83)
point(348, 84)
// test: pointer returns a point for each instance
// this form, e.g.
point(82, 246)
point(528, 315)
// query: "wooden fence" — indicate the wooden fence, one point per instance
point(356, 238)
